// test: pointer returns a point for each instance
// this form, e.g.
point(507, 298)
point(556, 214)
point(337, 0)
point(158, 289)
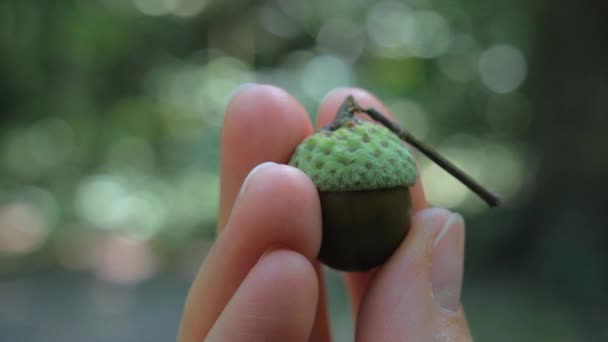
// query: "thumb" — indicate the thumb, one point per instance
point(415, 296)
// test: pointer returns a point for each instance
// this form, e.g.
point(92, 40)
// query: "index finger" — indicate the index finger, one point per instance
point(357, 281)
point(263, 123)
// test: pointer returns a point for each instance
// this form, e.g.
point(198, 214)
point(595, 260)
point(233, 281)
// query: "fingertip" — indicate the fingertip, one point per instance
point(262, 115)
point(452, 326)
point(447, 264)
point(262, 123)
point(250, 175)
point(262, 106)
point(281, 193)
point(426, 226)
point(241, 88)
point(291, 182)
point(292, 270)
point(276, 301)
point(430, 217)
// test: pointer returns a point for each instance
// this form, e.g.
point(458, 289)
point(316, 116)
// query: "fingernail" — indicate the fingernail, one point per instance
point(249, 176)
point(432, 218)
point(268, 251)
point(447, 262)
point(240, 88)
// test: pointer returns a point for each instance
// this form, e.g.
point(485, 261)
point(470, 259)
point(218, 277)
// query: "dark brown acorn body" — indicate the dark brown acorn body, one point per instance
point(362, 229)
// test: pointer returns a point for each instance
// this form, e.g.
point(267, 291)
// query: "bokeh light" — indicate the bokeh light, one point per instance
point(181, 8)
point(275, 21)
point(119, 260)
point(390, 26)
point(341, 37)
point(502, 68)
point(441, 188)
point(324, 73)
point(34, 151)
point(432, 35)
point(509, 180)
point(107, 202)
point(412, 117)
point(460, 62)
point(23, 228)
point(400, 31)
point(195, 95)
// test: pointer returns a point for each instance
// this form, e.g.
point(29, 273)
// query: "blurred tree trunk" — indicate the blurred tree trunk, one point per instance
point(571, 119)
point(568, 215)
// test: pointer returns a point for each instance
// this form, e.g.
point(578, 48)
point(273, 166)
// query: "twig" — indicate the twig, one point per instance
point(349, 107)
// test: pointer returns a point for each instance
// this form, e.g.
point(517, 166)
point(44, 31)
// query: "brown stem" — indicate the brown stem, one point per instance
point(345, 112)
point(351, 106)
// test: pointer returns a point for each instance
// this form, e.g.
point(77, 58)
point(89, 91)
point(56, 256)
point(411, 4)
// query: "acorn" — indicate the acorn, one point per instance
point(363, 172)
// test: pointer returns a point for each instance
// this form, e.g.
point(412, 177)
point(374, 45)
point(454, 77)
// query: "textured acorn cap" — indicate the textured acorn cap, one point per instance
point(357, 156)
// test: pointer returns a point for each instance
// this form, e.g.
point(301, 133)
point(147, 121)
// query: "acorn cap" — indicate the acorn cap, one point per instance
point(359, 155)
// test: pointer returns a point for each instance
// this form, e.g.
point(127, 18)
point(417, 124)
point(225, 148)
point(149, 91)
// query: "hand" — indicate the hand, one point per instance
point(261, 280)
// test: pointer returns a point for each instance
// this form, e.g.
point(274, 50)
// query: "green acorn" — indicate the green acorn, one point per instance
point(363, 173)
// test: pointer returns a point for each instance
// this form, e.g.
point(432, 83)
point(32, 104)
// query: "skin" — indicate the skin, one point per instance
point(261, 280)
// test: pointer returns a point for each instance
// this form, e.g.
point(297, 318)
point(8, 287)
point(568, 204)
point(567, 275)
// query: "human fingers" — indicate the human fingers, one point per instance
point(278, 206)
point(262, 123)
point(415, 296)
point(357, 281)
point(276, 302)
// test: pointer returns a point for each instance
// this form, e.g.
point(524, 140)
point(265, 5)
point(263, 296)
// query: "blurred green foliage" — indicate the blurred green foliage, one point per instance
point(111, 114)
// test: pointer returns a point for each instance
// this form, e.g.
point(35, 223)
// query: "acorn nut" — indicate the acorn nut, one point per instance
point(363, 173)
